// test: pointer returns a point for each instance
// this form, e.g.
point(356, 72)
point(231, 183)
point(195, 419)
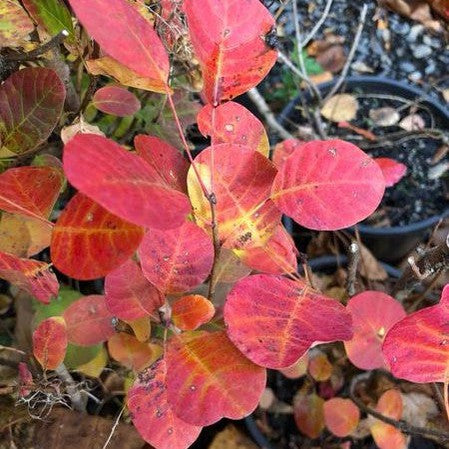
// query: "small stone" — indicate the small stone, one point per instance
point(430, 67)
point(401, 28)
point(422, 51)
point(415, 31)
point(407, 67)
point(415, 76)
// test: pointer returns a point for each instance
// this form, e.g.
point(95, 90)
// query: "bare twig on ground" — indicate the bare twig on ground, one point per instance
point(354, 259)
point(351, 55)
point(117, 420)
point(318, 25)
point(265, 110)
point(72, 390)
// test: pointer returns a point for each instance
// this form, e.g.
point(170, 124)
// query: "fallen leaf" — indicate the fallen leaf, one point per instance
point(386, 116)
point(445, 93)
point(340, 108)
point(332, 59)
point(231, 438)
point(412, 122)
point(79, 126)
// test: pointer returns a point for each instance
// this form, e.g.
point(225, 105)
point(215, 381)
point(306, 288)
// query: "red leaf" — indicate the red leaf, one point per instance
point(233, 123)
point(31, 102)
point(277, 256)
point(328, 185)
point(192, 311)
point(122, 182)
point(88, 321)
point(130, 352)
point(229, 42)
point(274, 320)
point(128, 293)
point(88, 242)
point(426, 360)
point(373, 314)
point(50, 342)
point(208, 378)
point(242, 180)
point(152, 414)
point(30, 191)
point(308, 414)
point(127, 36)
point(176, 260)
point(116, 100)
point(392, 170)
point(341, 416)
point(166, 160)
point(30, 275)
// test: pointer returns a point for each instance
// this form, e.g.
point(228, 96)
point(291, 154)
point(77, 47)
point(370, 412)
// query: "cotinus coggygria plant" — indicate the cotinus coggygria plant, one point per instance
point(201, 289)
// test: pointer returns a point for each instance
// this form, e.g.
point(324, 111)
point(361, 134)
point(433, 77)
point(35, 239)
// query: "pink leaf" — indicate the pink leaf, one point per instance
point(392, 170)
point(116, 100)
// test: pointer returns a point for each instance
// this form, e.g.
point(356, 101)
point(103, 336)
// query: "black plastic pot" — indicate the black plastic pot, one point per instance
point(387, 243)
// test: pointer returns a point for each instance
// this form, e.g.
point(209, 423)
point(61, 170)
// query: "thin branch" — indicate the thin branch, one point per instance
point(351, 55)
point(267, 113)
point(72, 390)
point(354, 259)
point(34, 54)
point(116, 423)
point(317, 26)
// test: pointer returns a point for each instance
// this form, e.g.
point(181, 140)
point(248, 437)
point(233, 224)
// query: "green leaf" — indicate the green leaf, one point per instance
point(52, 15)
point(79, 355)
point(57, 306)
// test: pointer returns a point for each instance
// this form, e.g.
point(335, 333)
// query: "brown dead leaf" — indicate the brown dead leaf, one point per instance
point(417, 10)
point(386, 116)
point(340, 108)
point(320, 78)
point(418, 408)
point(370, 268)
point(79, 126)
point(231, 438)
point(412, 122)
point(71, 430)
point(332, 59)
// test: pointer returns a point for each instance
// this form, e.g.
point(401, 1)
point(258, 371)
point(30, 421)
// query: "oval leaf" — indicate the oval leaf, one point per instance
point(116, 100)
point(50, 342)
point(88, 321)
point(233, 123)
point(208, 378)
point(127, 36)
point(242, 180)
point(165, 159)
point(153, 415)
point(229, 43)
point(319, 367)
point(15, 25)
point(328, 185)
point(274, 320)
point(30, 275)
point(178, 259)
point(308, 414)
point(88, 242)
point(341, 416)
point(190, 312)
point(31, 102)
point(122, 182)
point(427, 359)
point(30, 191)
point(130, 352)
point(392, 170)
point(373, 314)
point(128, 293)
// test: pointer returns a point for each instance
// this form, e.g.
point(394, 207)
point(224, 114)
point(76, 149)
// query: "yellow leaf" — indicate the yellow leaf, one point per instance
point(340, 108)
point(95, 367)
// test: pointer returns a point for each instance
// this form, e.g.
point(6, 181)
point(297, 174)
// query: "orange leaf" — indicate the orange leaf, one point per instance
point(50, 342)
point(30, 275)
point(152, 414)
point(88, 242)
point(208, 378)
point(319, 367)
point(242, 180)
point(341, 416)
point(130, 352)
point(309, 414)
point(30, 191)
point(192, 311)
